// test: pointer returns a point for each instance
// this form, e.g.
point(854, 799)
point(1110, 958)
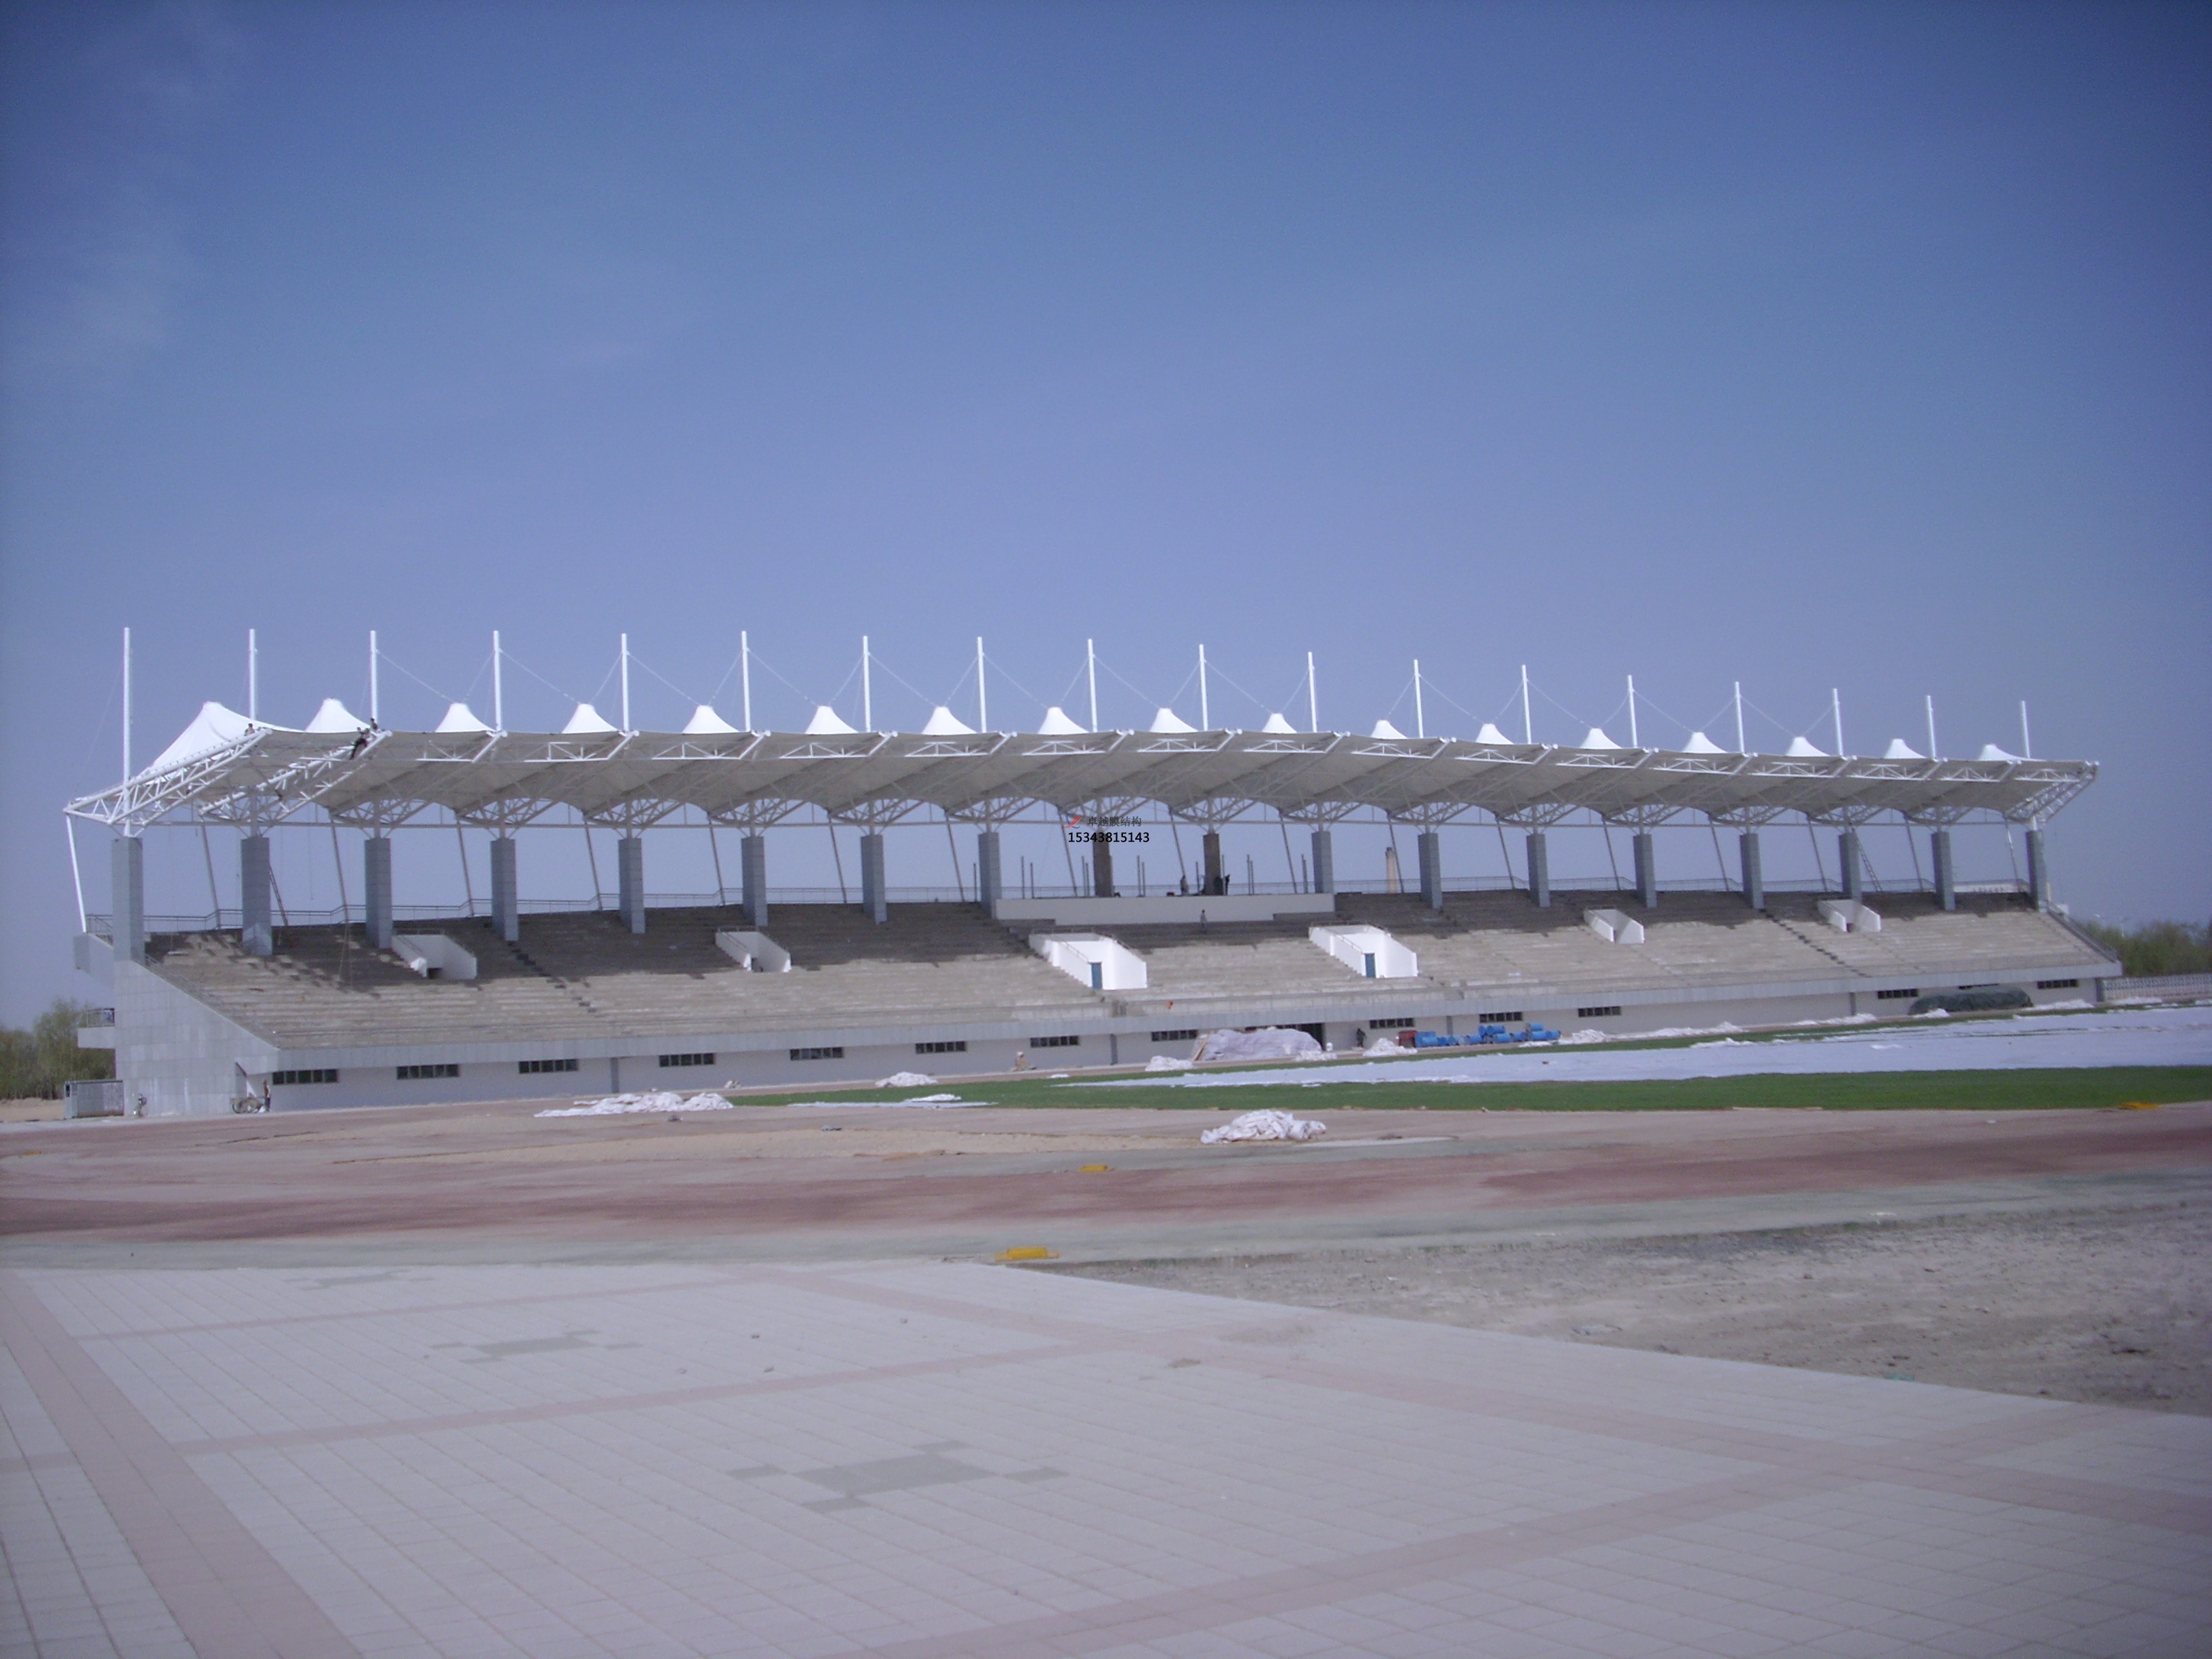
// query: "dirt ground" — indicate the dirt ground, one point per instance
point(2111, 1307)
point(30, 1110)
point(2055, 1252)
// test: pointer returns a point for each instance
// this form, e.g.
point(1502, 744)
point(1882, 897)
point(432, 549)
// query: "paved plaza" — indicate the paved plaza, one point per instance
point(939, 1459)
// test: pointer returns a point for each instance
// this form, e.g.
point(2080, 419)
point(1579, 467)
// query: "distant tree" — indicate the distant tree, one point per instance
point(37, 1062)
point(2157, 948)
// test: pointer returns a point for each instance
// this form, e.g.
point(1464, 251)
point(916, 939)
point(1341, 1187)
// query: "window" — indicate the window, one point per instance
point(2058, 985)
point(818, 1054)
point(1054, 1042)
point(686, 1059)
point(1893, 996)
point(323, 1075)
point(1191, 1036)
point(1501, 1016)
point(941, 1047)
point(527, 1066)
point(410, 1073)
point(1597, 1013)
point(1389, 1024)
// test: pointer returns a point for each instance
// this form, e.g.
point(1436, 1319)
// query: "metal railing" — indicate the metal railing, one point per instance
point(230, 919)
point(2161, 985)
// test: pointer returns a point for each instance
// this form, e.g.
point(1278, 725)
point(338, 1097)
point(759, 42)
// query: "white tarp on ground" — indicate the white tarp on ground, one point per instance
point(2144, 1036)
point(1264, 1125)
point(1272, 1042)
point(906, 1080)
point(655, 1100)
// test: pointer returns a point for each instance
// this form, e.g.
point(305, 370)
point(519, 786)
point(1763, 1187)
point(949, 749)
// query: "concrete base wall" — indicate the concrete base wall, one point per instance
point(175, 1055)
point(184, 1058)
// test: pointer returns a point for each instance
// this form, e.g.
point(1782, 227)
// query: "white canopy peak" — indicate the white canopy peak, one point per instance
point(1168, 720)
point(586, 718)
point(705, 721)
point(826, 723)
point(1385, 729)
point(334, 716)
point(1596, 738)
point(1901, 750)
point(1277, 724)
point(1700, 743)
point(460, 717)
point(1056, 724)
point(1489, 734)
point(1991, 752)
point(1802, 749)
point(944, 723)
point(214, 727)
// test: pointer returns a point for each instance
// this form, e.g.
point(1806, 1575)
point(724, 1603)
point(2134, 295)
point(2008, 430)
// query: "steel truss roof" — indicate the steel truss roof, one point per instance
point(631, 779)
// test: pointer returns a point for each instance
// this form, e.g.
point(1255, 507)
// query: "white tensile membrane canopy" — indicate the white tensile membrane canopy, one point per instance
point(340, 765)
point(704, 721)
point(334, 716)
point(213, 728)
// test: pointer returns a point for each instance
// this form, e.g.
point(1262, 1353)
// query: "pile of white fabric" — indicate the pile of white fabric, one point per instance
point(1588, 1034)
point(654, 1100)
point(1272, 1042)
point(1166, 1063)
point(905, 1080)
point(1385, 1048)
point(1269, 1125)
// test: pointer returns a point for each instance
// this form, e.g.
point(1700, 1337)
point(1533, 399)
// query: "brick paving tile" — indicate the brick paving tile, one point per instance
point(963, 1462)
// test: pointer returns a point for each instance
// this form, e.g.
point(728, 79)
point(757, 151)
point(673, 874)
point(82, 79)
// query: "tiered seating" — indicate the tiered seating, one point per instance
point(587, 976)
point(1243, 962)
point(1984, 937)
point(925, 962)
point(1501, 940)
point(323, 988)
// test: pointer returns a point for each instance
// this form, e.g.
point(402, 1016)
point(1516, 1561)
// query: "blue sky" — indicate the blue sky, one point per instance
point(1814, 346)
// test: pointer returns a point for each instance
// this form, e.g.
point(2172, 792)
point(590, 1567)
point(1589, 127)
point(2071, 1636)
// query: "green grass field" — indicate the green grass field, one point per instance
point(1965, 1091)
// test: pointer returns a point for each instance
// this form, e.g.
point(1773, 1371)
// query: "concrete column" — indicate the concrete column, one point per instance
point(126, 874)
point(1214, 882)
point(258, 935)
point(873, 898)
point(1324, 862)
point(376, 883)
point(1946, 877)
point(1102, 864)
point(1853, 868)
point(752, 879)
point(1431, 852)
point(505, 910)
point(1647, 869)
point(2038, 872)
point(988, 883)
point(1754, 872)
point(1540, 870)
point(630, 881)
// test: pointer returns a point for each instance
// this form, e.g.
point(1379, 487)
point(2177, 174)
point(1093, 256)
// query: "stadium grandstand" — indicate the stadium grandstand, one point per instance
point(386, 1002)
